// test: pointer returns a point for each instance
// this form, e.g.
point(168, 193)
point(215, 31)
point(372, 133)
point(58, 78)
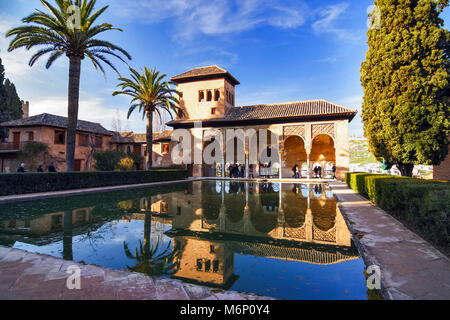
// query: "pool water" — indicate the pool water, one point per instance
point(285, 241)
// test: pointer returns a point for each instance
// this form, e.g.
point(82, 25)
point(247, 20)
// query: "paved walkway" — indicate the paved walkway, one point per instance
point(410, 267)
point(29, 276)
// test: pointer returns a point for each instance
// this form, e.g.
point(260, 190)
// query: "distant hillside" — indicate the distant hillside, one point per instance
point(359, 152)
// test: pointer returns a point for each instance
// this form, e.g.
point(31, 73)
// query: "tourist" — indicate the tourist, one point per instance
point(334, 171)
point(319, 171)
point(52, 167)
point(21, 168)
point(40, 169)
point(250, 175)
point(296, 172)
point(230, 169)
point(242, 172)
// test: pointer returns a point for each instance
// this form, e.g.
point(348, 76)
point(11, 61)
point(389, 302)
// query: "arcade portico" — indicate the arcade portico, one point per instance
point(309, 133)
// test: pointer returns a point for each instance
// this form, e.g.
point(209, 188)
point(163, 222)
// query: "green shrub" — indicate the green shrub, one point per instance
point(108, 160)
point(138, 160)
point(125, 164)
point(22, 183)
point(422, 204)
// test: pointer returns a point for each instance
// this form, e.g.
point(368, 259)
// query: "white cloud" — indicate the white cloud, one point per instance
point(215, 17)
point(16, 62)
point(328, 23)
point(93, 109)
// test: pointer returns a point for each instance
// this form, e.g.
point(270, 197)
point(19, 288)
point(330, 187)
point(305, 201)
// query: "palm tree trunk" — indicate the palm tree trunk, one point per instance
point(74, 96)
point(149, 139)
point(67, 236)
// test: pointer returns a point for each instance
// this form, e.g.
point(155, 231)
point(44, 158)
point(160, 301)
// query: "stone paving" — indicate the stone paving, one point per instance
point(410, 267)
point(29, 276)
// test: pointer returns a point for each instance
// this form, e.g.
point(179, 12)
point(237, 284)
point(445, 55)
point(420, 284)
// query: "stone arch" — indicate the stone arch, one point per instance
point(211, 202)
point(263, 210)
point(235, 202)
point(294, 152)
point(323, 149)
point(294, 208)
point(324, 213)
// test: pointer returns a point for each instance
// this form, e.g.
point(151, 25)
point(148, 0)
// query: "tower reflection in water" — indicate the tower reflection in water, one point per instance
point(200, 227)
point(281, 221)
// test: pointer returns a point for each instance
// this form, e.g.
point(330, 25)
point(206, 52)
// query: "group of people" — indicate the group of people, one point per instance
point(51, 168)
point(317, 172)
point(237, 171)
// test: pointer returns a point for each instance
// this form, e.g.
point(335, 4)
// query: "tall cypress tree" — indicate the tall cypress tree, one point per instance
point(10, 104)
point(406, 84)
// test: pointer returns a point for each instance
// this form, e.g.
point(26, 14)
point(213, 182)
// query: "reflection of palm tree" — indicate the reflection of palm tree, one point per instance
point(148, 260)
point(67, 236)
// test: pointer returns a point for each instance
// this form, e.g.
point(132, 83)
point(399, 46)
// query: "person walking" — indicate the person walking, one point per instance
point(52, 167)
point(242, 172)
point(21, 168)
point(334, 171)
point(319, 171)
point(250, 174)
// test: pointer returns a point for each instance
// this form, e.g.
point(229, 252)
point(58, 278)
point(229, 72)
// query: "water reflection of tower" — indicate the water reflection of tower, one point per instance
point(206, 262)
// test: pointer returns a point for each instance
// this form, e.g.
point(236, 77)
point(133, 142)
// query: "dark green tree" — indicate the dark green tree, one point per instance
point(406, 83)
point(10, 104)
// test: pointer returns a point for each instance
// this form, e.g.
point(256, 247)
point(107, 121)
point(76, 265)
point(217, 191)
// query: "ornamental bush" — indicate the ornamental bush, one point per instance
point(424, 205)
point(126, 164)
point(22, 183)
point(108, 160)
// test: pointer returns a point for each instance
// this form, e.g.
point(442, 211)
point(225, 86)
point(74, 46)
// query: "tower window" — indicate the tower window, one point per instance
point(215, 266)
point(213, 110)
point(216, 95)
point(201, 96)
point(208, 266)
point(199, 264)
point(208, 95)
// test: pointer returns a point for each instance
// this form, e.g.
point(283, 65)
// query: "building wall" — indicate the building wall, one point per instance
point(57, 152)
point(323, 142)
point(442, 171)
point(202, 110)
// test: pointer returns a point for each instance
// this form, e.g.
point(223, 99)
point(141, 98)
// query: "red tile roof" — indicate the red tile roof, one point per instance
point(291, 111)
point(209, 72)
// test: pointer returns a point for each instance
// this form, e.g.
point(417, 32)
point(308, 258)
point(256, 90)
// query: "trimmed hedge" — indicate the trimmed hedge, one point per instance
point(22, 183)
point(424, 205)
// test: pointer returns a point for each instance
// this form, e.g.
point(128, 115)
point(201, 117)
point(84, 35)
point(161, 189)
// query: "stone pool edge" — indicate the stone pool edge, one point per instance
point(411, 268)
point(30, 276)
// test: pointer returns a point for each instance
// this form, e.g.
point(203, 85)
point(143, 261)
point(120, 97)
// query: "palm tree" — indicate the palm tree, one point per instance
point(68, 29)
point(151, 94)
point(148, 260)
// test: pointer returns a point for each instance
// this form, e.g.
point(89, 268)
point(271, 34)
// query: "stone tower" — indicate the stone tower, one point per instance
point(25, 109)
point(207, 92)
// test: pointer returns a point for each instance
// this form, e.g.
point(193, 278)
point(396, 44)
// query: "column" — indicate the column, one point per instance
point(308, 219)
point(223, 153)
point(308, 146)
point(309, 166)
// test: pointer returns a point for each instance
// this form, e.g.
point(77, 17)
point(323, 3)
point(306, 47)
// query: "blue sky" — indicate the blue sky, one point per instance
point(280, 51)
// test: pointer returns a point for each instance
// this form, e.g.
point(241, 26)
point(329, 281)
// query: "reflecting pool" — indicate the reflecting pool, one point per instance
point(286, 241)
